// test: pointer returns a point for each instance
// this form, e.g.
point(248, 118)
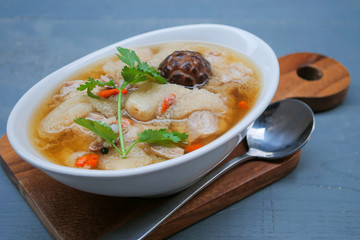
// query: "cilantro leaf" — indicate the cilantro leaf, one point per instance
point(89, 86)
point(153, 73)
point(161, 136)
point(91, 83)
point(141, 72)
point(132, 76)
point(128, 57)
point(99, 128)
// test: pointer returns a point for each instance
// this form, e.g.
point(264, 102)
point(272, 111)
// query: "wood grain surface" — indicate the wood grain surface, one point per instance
point(67, 213)
point(319, 81)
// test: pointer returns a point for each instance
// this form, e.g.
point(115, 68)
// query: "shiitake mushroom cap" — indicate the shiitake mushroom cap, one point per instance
point(187, 68)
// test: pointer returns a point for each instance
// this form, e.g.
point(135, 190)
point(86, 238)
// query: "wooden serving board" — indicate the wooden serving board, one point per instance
point(67, 213)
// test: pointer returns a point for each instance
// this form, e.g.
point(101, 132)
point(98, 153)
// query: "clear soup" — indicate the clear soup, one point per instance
point(203, 113)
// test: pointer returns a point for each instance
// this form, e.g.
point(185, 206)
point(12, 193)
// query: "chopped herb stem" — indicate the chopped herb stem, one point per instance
point(121, 134)
point(132, 145)
point(117, 149)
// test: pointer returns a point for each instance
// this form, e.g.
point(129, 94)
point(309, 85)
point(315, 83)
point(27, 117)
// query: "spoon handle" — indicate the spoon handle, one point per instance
point(145, 224)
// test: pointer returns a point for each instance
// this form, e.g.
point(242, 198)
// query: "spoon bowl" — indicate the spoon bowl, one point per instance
point(281, 130)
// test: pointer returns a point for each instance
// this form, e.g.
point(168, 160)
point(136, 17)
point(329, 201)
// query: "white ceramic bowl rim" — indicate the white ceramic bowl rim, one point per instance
point(246, 121)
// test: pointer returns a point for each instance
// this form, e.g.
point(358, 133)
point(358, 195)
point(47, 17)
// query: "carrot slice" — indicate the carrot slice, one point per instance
point(108, 93)
point(193, 147)
point(168, 101)
point(242, 105)
point(87, 161)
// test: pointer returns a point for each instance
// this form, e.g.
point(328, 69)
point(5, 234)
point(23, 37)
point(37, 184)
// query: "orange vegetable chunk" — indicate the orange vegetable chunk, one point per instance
point(108, 93)
point(242, 105)
point(168, 102)
point(87, 161)
point(193, 147)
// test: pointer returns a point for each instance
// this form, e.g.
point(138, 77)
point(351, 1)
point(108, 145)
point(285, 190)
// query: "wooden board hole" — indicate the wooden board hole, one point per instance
point(309, 73)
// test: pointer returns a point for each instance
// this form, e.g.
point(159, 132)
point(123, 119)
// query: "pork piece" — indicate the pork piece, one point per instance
point(145, 103)
point(239, 72)
point(62, 117)
point(201, 124)
point(196, 100)
point(67, 90)
point(162, 151)
point(229, 78)
point(216, 58)
point(136, 158)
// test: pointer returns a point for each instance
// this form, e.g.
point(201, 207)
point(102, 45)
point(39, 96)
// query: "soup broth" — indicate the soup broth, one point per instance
point(204, 113)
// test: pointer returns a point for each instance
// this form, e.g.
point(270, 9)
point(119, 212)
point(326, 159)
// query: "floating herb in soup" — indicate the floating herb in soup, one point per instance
point(146, 106)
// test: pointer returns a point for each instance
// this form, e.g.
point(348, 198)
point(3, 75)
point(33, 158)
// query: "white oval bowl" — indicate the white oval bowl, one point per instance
point(165, 177)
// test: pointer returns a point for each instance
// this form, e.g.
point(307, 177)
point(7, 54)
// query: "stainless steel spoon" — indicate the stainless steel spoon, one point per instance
point(280, 131)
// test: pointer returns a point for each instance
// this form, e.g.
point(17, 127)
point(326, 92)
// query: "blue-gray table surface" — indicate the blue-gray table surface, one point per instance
point(320, 199)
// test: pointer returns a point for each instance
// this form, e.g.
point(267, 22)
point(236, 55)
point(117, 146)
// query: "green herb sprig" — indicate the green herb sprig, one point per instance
point(135, 72)
point(91, 83)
